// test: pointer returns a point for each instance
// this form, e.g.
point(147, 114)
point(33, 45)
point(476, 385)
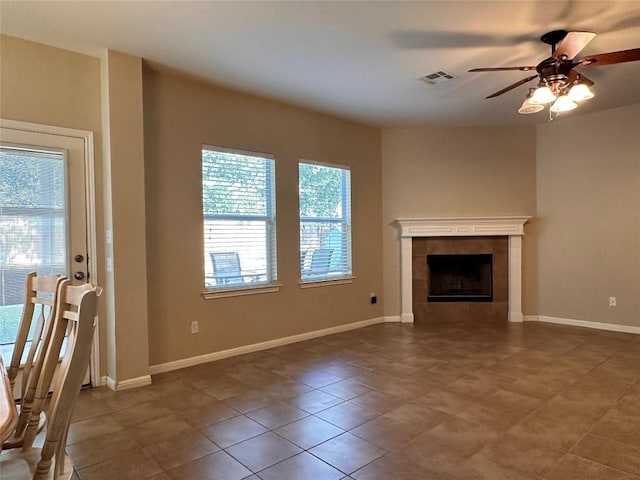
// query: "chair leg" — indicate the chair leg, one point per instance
point(31, 430)
point(46, 459)
point(61, 454)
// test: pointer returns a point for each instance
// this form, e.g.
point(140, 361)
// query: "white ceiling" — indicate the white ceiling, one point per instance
point(360, 60)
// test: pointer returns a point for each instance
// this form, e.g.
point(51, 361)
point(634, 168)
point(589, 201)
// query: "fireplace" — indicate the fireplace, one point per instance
point(460, 277)
point(507, 286)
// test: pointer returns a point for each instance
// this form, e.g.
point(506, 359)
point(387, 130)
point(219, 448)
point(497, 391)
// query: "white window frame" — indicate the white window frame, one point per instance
point(270, 285)
point(345, 220)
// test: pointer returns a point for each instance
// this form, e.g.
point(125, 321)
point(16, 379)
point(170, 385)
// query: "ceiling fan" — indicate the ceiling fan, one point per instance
point(559, 82)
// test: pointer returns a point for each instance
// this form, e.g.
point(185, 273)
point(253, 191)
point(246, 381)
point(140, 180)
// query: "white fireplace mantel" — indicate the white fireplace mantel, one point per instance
point(513, 227)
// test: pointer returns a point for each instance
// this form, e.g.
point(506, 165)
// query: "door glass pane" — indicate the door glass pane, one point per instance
point(32, 228)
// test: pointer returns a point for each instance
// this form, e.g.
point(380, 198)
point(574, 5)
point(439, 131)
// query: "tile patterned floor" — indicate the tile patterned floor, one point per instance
point(454, 402)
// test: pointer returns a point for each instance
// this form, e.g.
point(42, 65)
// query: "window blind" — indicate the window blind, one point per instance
point(325, 222)
point(32, 226)
point(238, 198)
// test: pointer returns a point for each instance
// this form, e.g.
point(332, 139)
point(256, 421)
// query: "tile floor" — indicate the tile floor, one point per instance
point(454, 402)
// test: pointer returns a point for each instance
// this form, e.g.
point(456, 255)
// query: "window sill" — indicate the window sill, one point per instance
point(240, 291)
point(326, 282)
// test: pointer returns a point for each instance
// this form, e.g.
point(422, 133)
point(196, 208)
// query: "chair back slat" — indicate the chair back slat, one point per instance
point(38, 343)
point(35, 286)
point(45, 283)
point(42, 301)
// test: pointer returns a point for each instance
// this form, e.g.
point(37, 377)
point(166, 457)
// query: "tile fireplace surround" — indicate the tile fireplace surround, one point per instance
point(511, 227)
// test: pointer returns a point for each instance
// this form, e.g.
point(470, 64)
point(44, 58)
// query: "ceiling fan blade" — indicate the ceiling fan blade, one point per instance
point(511, 87)
point(610, 58)
point(573, 76)
point(501, 69)
point(572, 44)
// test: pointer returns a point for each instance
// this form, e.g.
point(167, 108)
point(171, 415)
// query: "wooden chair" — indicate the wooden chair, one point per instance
point(75, 314)
point(40, 296)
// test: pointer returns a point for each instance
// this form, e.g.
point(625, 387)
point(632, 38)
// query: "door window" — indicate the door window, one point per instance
point(33, 226)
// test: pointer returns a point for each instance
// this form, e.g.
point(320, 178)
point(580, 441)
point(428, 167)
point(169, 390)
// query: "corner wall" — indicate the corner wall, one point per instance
point(588, 175)
point(448, 172)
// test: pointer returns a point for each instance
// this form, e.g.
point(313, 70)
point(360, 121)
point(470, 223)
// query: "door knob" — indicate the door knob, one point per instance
point(78, 258)
point(78, 275)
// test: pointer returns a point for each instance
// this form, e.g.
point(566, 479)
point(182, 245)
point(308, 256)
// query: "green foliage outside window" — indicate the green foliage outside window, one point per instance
point(233, 184)
point(320, 191)
point(24, 178)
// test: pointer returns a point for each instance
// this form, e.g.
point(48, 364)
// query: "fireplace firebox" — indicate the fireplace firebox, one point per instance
point(460, 278)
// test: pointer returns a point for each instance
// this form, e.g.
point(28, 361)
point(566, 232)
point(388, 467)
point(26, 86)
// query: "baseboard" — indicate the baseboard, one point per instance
point(406, 318)
point(516, 318)
point(232, 352)
point(136, 382)
point(392, 319)
point(612, 327)
point(111, 383)
point(100, 381)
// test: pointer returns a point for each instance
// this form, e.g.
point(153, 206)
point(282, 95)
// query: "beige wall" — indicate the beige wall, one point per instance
point(588, 217)
point(440, 172)
point(181, 115)
point(50, 86)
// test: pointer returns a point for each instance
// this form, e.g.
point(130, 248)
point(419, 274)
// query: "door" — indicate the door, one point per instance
point(43, 220)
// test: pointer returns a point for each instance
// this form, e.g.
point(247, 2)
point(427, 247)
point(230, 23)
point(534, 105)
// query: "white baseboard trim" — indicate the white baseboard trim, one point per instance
point(612, 327)
point(111, 383)
point(392, 319)
point(406, 318)
point(516, 318)
point(232, 352)
point(100, 381)
point(136, 382)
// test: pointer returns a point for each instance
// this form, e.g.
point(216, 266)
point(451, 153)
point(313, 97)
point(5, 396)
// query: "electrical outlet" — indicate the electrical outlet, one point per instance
point(194, 326)
point(612, 301)
point(373, 299)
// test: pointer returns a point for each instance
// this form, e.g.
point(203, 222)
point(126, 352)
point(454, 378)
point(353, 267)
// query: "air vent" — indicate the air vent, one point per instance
point(438, 77)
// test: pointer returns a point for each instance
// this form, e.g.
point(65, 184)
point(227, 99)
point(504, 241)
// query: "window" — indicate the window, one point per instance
point(33, 221)
point(325, 222)
point(239, 219)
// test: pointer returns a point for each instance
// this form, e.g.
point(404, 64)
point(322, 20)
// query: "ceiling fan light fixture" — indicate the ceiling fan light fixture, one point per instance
point(543, 95)
point(528, 107)
point(580, 92)
point(563, 104)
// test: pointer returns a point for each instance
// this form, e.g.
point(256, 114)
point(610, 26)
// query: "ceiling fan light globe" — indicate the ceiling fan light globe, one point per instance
point(543, 95)
point(563, 104)
point(580, 92)
point(528, 108)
